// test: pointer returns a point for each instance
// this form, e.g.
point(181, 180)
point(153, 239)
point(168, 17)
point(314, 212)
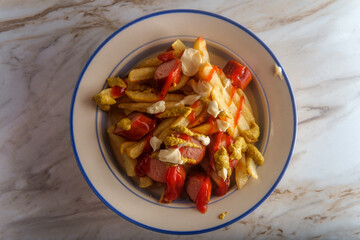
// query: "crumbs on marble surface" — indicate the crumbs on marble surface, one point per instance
point(278, 72)
point(222, 215)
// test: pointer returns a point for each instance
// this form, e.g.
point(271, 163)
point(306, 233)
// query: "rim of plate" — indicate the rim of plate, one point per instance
point(227, 20)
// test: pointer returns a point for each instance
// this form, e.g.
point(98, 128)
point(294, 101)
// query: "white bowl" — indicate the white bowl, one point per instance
point(271, 97)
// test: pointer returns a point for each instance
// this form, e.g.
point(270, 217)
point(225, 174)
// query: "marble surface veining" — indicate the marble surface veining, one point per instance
point(45, 44)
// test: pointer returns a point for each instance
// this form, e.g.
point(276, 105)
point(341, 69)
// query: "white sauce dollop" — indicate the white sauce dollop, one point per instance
point(191, 61)
point(155, 143)
point(213, 108)
point(205, 140)
point(157, 107)
point(170, 155)
point(222, 125)
point(189, 100)
point(223, 173)
point(202, 88)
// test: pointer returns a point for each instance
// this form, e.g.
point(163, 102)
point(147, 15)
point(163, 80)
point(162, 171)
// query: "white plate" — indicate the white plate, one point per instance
point(271, 97)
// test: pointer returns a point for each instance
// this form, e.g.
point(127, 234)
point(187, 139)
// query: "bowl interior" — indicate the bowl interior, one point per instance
point(219, 55)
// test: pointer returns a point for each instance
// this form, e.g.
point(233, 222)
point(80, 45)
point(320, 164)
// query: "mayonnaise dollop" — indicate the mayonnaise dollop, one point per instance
point(155, 143)
point(157, 107)
point(213, 108)
point(205, 140)
point(223, 173)
point(189, 100)
point(202, 88)
point(222, 125)
point(191, 61)
point(170, 155)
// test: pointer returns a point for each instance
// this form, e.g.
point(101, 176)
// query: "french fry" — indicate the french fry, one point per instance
point(187, 89)
point(251, 167)
point(217, 95)
point(163, 126)
point(135, 150)
point(178, 47)
point(222, 97)
point(149, 62)
point(145, 182)
point(246, 108)
point(241, 173)
point(136, 86)
point(127, 112)
point(125, 145)
point(142, 107)
point(199, 119)
point(127, 163)
point(141, 74)
point(206, 129)
point(124, 99)
point(152, 97)
point(200, 45)
point(183, 80)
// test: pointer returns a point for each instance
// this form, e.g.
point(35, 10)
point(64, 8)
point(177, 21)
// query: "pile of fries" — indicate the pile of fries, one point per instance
point(135, 93)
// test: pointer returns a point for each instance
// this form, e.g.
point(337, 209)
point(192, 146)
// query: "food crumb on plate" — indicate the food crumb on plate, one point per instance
point(222, 215)
point(278, 72)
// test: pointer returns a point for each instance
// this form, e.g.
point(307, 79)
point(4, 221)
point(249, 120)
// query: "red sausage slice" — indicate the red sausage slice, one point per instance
point(140, 126)
point(190, 152)
point(193, 185)
point(157, 170)
point(175, 180)
point(239, 75)
point(164, 69)
point(166, 75)
point(199, 187)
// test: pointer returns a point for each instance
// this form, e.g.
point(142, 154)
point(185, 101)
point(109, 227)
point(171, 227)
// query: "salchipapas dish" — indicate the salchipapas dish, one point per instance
point(180, 121)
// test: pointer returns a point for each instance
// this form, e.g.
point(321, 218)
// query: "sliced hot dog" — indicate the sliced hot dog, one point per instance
point(238, 74)
point(157, 170)
point(153, 168)
point(140, 125)
point(193, 185)
point(190, 152)
point(175, 180)
point(166, 75)
point(198, 187)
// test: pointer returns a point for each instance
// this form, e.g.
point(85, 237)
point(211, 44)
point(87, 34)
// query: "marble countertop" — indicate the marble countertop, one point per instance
point(45, 44)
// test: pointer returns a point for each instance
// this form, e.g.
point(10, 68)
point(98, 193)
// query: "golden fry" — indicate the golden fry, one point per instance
point(178, 47)
point(200, 45)
point(150, 62)
point(183, 80)
point(142, 107)
point(145, 182)
point(251, 167)
point(141, 74)
point(152, 97)
point(241, 173)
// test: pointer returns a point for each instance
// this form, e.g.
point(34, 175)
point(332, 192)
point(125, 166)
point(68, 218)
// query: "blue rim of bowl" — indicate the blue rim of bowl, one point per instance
point(230, 22)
